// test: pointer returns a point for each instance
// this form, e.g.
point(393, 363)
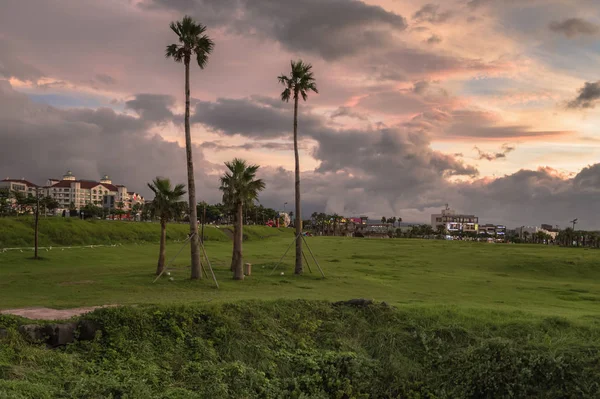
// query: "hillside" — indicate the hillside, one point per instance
point(58, 231)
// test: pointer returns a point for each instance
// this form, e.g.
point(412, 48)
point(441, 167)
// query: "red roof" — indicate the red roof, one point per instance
point(27, 183)
point(88, 185)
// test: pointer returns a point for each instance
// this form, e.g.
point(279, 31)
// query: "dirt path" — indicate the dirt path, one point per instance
point(50, 314)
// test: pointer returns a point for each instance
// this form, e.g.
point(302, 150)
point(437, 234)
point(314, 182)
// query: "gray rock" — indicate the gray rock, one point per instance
point(60, 334)
point(3, 333)
point(33, 333)
point(87, 330)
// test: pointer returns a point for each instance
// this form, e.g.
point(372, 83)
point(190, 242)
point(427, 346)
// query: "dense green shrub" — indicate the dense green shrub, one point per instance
point(307, 349)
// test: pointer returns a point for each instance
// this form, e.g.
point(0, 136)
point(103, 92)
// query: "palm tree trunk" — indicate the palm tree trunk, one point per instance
point(161, 251)
point(238, 236)
point(195, 248)
point(299, 268)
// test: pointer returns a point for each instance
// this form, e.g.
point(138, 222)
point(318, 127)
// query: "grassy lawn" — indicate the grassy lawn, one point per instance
point(468, 276)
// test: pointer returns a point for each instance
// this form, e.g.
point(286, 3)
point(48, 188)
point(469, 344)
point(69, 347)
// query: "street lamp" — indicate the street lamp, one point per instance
point(284, 204)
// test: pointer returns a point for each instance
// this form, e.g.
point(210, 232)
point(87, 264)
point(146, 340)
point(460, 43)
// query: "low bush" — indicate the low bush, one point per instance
point(307, 349)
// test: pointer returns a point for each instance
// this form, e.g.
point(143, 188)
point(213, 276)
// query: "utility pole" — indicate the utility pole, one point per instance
point(203, 221)
point(37, 218)
point(574, 221)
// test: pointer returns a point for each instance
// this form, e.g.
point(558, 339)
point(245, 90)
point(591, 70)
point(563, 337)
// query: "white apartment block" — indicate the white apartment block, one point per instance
point(18, 185)
point(69, 190)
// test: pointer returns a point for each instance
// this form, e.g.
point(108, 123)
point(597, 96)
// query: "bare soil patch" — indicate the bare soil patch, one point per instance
point(40, 313)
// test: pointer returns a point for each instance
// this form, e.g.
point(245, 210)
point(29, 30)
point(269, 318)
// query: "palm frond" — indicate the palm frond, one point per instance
point(300, 81)
point(192, 40)
point(175, 51)
point(239, 184)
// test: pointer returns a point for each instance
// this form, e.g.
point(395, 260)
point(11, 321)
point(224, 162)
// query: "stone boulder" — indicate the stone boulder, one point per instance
point(33, 333)
point(360, 302)
point(60, 334)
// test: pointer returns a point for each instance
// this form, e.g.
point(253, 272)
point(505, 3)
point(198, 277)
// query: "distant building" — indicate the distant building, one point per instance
point(455, 222)
point(492, 230)
point(549, 227)
point(19, 185)
point(22, 186)
point(531, 230)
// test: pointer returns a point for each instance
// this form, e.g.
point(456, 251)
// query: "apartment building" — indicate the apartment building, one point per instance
point(71, 191)
point(18, 185)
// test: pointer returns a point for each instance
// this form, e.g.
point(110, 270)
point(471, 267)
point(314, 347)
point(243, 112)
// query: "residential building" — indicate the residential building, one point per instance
point(22, 186)
point(69, 191)
point(455, 222)
point(19, 185)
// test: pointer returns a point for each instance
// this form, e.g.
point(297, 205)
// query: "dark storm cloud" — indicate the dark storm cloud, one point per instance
point(431, 13)
point(275, 146)
point(330, 28)
point(572, 27)
point(11, 65)
point(255, 117)
point(106, 79)
point(348, 112)
point(88, 142)
point(421, 86)
point(471, 123)
point(589, 96)
point(530, 197)
point(434, 39)
point(404, 61)
point(492, 156)
point(355, 159)
point(152, 107)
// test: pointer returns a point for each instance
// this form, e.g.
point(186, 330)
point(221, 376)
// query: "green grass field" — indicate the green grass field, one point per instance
point(470, 320)
point(528, 278)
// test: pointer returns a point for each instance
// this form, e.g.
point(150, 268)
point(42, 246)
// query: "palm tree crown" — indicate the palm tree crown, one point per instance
point(166, 198)
point(239, 183)
point(192, 40)
point(300, 81)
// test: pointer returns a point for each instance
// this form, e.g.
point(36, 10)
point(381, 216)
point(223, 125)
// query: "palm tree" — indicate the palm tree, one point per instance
point(192, 42)
point(164, 207)
point(299, 83)
point(240, 187)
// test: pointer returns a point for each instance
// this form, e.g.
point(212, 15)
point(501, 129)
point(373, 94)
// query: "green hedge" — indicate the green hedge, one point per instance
point(308, 349)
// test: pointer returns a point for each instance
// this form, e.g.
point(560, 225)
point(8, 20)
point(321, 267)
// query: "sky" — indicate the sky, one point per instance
point(490, 106)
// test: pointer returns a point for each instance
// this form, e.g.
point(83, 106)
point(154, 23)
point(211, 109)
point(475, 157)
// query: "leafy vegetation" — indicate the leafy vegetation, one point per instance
point(303, 349)
point(58, 231)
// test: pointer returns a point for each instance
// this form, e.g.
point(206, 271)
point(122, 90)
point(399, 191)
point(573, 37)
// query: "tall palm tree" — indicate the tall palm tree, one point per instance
point(164, 206)
point(240, 187)
point(298, 84)
point(192, 42)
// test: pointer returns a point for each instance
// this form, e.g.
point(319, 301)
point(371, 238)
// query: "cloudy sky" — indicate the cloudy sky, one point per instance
point(492, 106)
